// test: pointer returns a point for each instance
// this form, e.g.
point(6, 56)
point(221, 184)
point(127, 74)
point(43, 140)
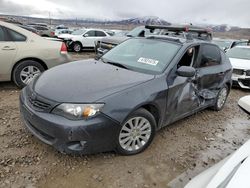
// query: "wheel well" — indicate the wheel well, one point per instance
point(154, 111)
point(78, 42)
point(31, 58)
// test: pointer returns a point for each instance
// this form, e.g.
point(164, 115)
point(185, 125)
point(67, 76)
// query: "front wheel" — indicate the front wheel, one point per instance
point(136, 133)
point(221, 98)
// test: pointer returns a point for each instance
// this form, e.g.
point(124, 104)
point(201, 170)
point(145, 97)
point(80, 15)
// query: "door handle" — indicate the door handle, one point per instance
point(221, 73)
point(7, 48)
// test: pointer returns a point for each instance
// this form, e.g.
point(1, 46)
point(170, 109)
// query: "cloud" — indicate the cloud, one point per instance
point(195, 11)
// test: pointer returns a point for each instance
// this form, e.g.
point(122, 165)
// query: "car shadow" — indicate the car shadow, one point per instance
point(8, 86)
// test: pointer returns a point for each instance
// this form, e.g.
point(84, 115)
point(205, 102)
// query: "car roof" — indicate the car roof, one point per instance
point(180, 40)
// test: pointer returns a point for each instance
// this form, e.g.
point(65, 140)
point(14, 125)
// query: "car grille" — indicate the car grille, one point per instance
point(238, 71)
point(39, 104)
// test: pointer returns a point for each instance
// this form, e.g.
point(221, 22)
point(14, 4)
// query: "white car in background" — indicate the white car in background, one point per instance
point(24, 55)
point(240, 60)
point(233, 171)
point(83, 38)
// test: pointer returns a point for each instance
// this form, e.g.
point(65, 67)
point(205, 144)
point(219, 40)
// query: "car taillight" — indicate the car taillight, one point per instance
point(52, 33)
point(63, 48)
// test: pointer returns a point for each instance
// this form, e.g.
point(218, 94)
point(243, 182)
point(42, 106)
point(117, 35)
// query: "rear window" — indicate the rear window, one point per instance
point(210, 56)
point(15, 36)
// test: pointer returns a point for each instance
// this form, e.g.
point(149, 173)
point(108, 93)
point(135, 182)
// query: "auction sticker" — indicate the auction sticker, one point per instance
point(148, 61)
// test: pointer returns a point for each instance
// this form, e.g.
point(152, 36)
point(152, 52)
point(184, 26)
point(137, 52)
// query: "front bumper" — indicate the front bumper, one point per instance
point(242, 81)
point(75, 137)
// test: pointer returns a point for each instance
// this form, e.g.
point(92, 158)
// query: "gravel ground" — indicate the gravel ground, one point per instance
point(177, 153)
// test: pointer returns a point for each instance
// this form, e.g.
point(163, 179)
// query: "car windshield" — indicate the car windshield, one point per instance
point(143, 55)
point(222, 44)
point(239, 53)
point(79, 32)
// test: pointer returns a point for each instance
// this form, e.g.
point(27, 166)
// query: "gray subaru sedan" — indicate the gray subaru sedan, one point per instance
point(117, 103)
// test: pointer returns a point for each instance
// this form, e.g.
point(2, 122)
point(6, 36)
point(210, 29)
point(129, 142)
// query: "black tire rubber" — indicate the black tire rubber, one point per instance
point(141, 113)
point(78, 44)
point(19, 67)
point(215, 107)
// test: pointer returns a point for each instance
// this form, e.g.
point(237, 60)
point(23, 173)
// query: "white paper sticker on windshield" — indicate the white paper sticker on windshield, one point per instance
point(148, 61)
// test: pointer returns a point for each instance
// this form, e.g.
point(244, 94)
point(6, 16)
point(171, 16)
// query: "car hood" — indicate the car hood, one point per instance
point(240, 63)
point(114, 40)
point(86, 81)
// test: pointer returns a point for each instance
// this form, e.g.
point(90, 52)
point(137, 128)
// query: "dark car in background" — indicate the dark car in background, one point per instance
point(119, 101)
point(105, 44)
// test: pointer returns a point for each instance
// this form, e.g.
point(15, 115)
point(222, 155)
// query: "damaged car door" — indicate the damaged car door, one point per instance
point(182, 92)
point(189, 94)
point(210, 73)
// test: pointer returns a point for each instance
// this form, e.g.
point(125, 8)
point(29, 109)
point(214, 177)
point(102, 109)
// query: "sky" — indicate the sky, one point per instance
point(232, 12)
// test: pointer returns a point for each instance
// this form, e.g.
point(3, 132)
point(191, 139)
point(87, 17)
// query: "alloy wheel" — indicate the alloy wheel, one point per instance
point(222, 97)
point(135, 133)
point(28, 73)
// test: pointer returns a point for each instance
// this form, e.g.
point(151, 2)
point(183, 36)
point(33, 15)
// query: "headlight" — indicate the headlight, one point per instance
point(77, 111)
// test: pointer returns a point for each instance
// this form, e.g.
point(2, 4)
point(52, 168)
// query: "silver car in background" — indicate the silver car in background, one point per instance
point(240, 60)
point(24, 54)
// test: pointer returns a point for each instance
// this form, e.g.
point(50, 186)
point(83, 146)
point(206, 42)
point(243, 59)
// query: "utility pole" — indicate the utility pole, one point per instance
point(49, 19)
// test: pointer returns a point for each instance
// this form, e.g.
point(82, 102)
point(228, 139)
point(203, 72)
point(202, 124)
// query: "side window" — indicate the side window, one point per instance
point(15, 36)
point(100, 34)
point(210, 56)
point(189, 58)
point(91, 33)
point(1, 35)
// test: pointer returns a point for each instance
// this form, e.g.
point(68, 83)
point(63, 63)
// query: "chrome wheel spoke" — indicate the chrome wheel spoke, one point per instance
point(28, 73)
point(135, 133)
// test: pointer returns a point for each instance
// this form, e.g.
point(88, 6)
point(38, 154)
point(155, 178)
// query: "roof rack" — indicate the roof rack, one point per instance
point(179, 28)
point(187, 31)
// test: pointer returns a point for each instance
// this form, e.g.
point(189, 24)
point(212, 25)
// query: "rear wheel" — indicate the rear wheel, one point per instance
point(136, 133)
point(77, 47)
point(25, 71)
point(221, 98)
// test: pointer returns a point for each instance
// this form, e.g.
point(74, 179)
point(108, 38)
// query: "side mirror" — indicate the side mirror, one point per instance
point(86, 35)
point(186, 71)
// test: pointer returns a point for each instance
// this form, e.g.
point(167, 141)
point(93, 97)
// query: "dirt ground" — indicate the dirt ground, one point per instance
point(178, 152)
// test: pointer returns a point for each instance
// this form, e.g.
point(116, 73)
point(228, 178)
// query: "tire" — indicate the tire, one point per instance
point(131, 141)
point(27, 69)
point(221, 98)
point(77, 47)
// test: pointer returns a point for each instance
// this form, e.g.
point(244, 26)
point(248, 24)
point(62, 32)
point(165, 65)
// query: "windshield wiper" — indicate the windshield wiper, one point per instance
point(114, 63)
